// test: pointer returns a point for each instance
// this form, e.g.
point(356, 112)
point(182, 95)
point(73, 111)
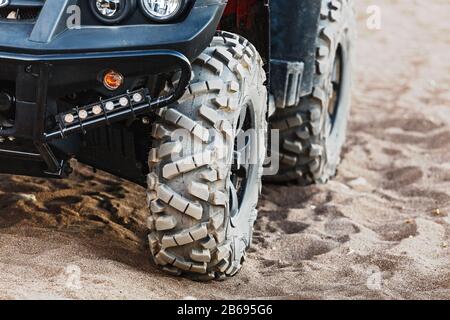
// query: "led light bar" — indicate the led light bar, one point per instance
point(105, 110)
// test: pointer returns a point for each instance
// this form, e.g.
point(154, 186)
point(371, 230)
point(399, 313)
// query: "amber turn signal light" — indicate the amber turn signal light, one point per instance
point(112, 80)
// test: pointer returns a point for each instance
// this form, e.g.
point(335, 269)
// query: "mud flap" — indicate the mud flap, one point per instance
point(286, 83)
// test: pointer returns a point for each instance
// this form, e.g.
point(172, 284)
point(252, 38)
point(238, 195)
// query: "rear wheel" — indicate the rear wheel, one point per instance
point(312, 134)
point(206, 164)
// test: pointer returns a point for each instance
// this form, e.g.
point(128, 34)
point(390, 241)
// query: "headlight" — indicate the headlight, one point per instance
point(163, 10)
point(112, 11)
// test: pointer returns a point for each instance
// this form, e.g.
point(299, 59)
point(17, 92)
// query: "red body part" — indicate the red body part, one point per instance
point(241, 11)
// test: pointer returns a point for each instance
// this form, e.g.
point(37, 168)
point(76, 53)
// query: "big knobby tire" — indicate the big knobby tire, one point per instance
point(312, 134)
point(193, 230)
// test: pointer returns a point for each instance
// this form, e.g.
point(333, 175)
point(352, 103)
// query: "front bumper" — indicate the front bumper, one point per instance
point(38, 80)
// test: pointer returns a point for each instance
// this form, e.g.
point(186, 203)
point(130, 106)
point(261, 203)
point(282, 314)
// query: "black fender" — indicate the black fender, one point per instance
point(294, 29)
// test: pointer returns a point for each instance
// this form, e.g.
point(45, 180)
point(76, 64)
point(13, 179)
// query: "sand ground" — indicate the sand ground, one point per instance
point(374, 232)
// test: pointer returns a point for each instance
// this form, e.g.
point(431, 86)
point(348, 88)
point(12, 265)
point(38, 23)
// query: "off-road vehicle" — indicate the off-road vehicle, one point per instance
point(176, 95)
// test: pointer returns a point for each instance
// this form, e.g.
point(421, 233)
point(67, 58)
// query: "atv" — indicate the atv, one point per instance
point(179, 96)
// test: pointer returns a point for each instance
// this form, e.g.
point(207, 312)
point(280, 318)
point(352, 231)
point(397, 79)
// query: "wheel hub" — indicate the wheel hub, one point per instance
point(243, 164)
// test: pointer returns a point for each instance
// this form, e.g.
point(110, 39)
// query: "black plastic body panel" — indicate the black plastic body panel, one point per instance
point(294, 31)
point(50, 33)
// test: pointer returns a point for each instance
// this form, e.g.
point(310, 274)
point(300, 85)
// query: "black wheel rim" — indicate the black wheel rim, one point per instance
point(335, 92)
point(243, 167)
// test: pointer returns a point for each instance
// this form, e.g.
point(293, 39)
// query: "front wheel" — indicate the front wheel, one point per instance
point(206, 164)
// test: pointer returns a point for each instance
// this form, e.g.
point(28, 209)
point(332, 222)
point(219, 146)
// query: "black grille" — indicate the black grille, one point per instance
point(30, 13)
